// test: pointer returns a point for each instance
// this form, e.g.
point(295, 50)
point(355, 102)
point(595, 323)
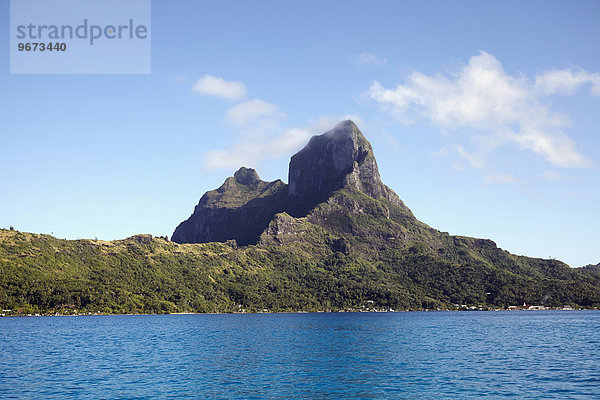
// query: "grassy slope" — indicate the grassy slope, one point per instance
point(344, 254)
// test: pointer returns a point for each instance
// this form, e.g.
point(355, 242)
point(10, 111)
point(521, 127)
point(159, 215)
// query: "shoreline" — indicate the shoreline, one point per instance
point(289, 312)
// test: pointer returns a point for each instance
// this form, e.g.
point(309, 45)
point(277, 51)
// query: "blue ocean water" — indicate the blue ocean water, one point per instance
point(420, 355)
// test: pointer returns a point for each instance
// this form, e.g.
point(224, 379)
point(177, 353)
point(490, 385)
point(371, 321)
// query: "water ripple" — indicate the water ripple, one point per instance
point(303, 356)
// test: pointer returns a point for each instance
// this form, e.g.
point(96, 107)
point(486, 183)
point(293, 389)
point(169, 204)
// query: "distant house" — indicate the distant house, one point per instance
point(535, 308)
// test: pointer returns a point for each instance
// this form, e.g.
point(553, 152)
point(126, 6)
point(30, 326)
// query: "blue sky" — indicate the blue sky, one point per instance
point(483, 117)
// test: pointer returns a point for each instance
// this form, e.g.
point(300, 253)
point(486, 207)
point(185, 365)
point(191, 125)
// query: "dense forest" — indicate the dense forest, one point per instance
point(318, 269)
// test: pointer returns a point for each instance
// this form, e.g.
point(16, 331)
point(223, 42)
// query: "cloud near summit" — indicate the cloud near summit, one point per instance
point(259, 126)
point(252, 110)
point(483, 100)
point(215, 86)
point(370, 59)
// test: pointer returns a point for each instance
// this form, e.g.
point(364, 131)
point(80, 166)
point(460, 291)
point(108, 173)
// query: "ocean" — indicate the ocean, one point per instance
point(403, 355)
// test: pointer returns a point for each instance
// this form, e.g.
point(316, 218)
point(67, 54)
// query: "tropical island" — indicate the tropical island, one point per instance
point(334, 238)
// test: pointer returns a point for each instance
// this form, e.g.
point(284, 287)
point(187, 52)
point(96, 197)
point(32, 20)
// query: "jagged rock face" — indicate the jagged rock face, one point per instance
point(336, 159)
point(239, 210)
point(283, 229)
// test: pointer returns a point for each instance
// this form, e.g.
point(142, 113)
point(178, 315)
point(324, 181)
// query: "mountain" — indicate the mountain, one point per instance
point(333, 238)
point(340, 158)
point(243, 206)
point(240, 210)
point(334, 186)
point(335, 203)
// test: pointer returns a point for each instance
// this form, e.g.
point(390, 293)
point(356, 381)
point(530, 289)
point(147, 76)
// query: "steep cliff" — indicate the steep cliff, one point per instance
point(239, 210)
point(339, 158)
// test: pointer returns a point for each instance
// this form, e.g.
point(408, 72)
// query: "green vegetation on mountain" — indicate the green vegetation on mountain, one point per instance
point(299, 265)
point(335, 238)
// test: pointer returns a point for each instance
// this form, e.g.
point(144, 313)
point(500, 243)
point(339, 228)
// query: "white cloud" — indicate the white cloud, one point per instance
point(327, 122)
point(272, 141)
point(492, 107)
point(567, 81)
point(259, 125)
point(215, 86)
point(370, 59)
point(225, 159)
point(251, 111)
point(251, 152)
point(475, 161)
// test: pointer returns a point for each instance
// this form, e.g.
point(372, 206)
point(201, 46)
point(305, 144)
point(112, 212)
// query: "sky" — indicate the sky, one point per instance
point(484, 117)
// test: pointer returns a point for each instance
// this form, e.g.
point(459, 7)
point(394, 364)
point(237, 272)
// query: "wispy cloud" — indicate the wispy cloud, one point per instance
point(491, 106)
point(567, 81)
point(259, 141)
point(260, 127)
point(370, 59)
point(251, 153)
point(215, 86)
point(251, 111)
point(474, 160)
point(261, 136)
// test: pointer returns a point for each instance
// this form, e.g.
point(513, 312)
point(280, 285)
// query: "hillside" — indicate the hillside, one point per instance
point(591, 267)
point(42, 274)
point(334, 238)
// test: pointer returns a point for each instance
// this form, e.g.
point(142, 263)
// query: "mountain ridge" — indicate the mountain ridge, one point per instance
point(238, 210)
point(339, 158)
point(263, 248)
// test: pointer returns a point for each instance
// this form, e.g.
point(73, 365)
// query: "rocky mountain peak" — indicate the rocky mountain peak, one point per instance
point(246, 176)
point(341, 157)
point(242, 208)
point(327, 158)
